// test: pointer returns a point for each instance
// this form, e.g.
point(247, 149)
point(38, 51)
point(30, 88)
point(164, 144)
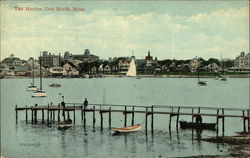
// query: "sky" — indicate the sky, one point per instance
point(169, 29)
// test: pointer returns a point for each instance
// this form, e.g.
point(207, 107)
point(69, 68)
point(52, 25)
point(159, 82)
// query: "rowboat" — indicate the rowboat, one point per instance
point(128, 129)
point(200, 126)
point(65, 125)
point(55, 85)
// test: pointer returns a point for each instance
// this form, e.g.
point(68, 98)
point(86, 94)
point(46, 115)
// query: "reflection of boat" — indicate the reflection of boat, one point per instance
point(193, 125)
point(55, 85)
point(128, 129)
point(65, 125)
point(32, 87)
point(40, 93)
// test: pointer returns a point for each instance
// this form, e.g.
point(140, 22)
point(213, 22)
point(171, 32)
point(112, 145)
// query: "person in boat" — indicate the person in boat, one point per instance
point(198, 119)
point(85, 103)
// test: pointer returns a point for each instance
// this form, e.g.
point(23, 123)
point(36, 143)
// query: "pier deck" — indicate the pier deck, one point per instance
point(172, 111)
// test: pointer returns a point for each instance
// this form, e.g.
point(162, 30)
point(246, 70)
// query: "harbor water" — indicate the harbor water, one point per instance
point(21, 140)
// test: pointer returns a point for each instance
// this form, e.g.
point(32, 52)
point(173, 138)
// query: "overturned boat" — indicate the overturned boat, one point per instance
point(199, 126)
point(128, 129)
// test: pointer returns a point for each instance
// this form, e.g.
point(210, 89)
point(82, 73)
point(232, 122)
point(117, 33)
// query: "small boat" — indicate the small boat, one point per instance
point(200, 126)
point(128, 129)
point(55, 85)
point(65, 125)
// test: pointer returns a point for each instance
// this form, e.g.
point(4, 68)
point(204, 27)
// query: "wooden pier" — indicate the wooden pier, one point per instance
point(64, 109)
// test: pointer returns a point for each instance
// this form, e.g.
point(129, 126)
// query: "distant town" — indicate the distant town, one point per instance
point(80, 65)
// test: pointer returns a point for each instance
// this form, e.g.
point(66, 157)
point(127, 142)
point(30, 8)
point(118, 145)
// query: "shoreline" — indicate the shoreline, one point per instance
point(142, 76)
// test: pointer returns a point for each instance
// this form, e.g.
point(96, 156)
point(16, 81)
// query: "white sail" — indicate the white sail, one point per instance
point(132, 69)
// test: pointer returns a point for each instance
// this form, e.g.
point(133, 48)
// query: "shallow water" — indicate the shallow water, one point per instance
point(28, 141)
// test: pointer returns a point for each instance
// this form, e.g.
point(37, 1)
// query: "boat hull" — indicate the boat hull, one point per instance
point(128, 129)
point(39, 94)
point(200, 126)
point(64, 126)
point(32, 88)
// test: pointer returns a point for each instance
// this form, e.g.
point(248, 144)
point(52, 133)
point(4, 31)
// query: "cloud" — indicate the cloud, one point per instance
point(110, 33)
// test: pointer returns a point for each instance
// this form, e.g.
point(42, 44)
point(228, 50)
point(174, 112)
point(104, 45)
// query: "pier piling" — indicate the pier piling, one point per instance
point(101, 120)
point(244, 121)
point(26, 115)
point(32, 116)
point(74, 114)
point(48, 115)
point(177, 119)
point(133, 115)
point(223, 122)
point(42, 116)
point(16, 114)
point(152, 119)
point(58, 113)
point(94, 117)
point(109, 117)
point(146, 123)
point(125, 117)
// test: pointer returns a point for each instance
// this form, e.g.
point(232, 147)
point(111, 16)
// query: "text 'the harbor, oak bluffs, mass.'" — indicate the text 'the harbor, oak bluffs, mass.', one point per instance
point(67, 9)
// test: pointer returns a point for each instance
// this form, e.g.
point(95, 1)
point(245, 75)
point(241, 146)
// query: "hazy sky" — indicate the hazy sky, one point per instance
point(170, 29)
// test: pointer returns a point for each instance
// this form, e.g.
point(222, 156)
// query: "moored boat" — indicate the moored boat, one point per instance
point(55, 85)
point(65, 124)
point(128, 129)
point(200, 126)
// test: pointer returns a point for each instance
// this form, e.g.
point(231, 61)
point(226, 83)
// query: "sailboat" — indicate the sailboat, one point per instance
point(132, 70)
point(201, 83)
point(32, 87)
point(40, 92)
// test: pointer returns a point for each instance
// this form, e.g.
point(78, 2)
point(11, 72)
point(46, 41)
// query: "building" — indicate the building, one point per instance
point(12, 61)
point(86, 56)
point(194, 64)
point(242, 63)
point(49, 60)
point(70, 69)
point(149, 58)
point(243, 60)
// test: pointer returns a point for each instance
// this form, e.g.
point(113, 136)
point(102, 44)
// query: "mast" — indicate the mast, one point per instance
point(33, 72)
point(40, 61)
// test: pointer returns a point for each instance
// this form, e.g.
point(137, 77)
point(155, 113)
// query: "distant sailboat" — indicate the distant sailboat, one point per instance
point(32, 87)
point(40, 93)
point(132, 70)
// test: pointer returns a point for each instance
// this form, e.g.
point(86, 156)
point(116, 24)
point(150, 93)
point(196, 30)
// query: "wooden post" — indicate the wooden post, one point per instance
point(146, 123)
point(42, 116)
point(32, 116)
point(16, 114)
point(68, 114)
point(26, 114)
point(48, 115)
point(217, 122)
point(74, 113)
point(125, 117)
point(109, 117)
point(35, 112)
point(199, 110)
point(177, 119)
point(192, 115)
point(133, 115)
point(223, 122)
point(248, 114)
point(94, 117)
point(244, 121)
point(82, 114)
point(53, 115)
point(101, 120)
point(58, 113)
point(152, 119)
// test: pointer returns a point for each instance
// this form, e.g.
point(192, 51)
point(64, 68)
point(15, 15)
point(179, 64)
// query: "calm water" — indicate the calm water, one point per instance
point(29, 141)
